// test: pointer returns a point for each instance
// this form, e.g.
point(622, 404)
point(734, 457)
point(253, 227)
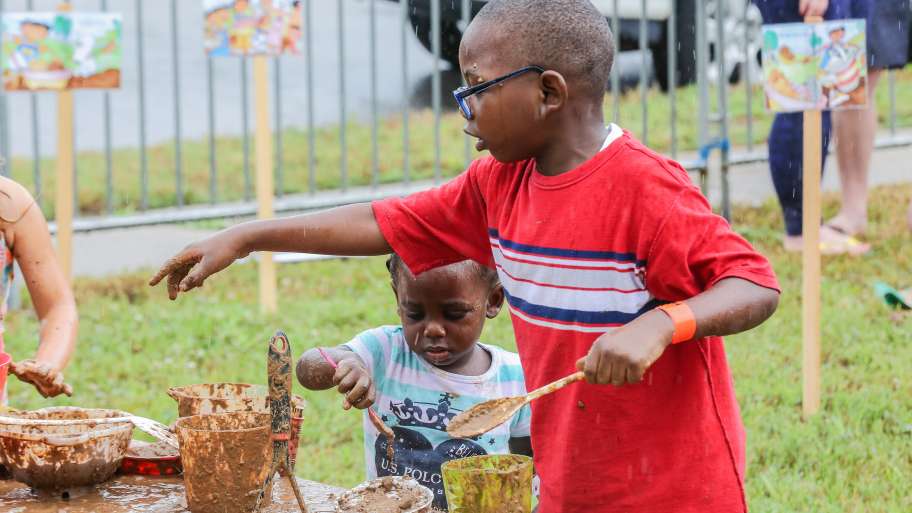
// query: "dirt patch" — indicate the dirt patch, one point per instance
point(483, 417)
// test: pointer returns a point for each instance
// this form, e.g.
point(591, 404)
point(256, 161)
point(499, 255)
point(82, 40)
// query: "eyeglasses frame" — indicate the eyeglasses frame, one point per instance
point(463, 93)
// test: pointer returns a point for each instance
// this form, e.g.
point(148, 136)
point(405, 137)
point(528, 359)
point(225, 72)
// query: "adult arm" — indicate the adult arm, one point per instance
point(812, 7)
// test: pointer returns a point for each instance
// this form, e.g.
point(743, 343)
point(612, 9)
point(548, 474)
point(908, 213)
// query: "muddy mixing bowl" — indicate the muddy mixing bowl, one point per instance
point(61, 457)
point(205, 398)
point(389, 494)
point(226, 459)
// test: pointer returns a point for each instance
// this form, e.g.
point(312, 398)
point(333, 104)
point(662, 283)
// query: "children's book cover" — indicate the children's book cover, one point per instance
point(814, 66)
point(55, 51)
point(251, 27)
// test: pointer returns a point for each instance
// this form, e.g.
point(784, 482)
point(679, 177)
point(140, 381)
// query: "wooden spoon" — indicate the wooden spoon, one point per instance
point(483, 417)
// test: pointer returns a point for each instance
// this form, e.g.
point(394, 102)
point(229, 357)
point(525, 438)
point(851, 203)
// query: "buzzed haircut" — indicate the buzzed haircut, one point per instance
point(569, 36)
point(487, 275)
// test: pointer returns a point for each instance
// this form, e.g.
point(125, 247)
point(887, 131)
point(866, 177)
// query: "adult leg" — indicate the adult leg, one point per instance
point(855, 130)
point(787, 168)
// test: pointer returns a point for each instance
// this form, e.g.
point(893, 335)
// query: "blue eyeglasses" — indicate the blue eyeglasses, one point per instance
point(462, 94)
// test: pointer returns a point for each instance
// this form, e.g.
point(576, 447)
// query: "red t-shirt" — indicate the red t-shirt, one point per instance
point(578, 254)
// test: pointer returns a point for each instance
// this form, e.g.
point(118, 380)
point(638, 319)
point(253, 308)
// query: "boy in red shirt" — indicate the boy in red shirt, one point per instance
point(612, 262)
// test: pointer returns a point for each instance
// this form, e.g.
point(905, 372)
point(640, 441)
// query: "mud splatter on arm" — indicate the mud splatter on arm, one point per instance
point(314, 373)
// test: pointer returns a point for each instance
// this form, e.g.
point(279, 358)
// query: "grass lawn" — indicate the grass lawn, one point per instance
point(295, 158)
point(855, 455)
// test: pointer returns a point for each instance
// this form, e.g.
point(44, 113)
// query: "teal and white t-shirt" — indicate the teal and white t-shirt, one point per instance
point(417, 400)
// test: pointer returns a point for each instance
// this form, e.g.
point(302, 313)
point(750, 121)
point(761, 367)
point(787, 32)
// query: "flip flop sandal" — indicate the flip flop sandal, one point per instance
point(849, 246)
point(892, 297)
point(841, 230)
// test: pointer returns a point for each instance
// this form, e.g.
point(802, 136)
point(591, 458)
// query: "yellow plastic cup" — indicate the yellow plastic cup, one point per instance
point(500, 483)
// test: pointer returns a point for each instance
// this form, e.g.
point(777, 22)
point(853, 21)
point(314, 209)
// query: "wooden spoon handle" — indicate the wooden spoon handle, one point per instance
point(551, 387)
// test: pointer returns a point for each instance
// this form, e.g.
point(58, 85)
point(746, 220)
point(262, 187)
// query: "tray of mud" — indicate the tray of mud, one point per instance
point(390, 494)
point(151, 459)
point(63, 456)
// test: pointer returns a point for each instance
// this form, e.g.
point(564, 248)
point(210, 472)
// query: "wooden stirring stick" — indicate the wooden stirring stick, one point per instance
point(483, 417)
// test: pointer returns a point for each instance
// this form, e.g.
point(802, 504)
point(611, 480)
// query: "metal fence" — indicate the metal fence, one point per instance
point(165, 71)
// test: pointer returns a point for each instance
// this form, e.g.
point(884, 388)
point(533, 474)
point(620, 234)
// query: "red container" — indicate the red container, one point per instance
point(151, 459)
point(5, 360)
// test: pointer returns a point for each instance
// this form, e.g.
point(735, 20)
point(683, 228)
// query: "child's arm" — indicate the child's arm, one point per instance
point(348, 230)
point(351, 376)
point(731, 306)
point(51, 296)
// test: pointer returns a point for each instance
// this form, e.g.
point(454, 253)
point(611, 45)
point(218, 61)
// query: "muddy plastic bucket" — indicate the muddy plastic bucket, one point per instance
point(204, 398)
point(5, 360)
point(226, 459)
point(489, 484)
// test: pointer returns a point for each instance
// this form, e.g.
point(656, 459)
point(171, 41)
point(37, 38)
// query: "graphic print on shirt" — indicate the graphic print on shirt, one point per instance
point(575, 290)
point(415, 456)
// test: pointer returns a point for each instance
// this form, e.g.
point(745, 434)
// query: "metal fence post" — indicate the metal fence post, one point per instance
point(702, 87)
point(141, 94)
point(343, 114)
point(109, 171)
point(213, 169)
point(175, 59)
point(311, 138)
point(435, 85)
point(406, 26)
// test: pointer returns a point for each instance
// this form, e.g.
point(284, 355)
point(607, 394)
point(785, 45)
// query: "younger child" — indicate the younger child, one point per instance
point(421, 374)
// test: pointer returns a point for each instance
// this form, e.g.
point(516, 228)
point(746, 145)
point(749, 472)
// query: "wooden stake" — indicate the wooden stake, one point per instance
point(264, 182)
point(810, 286)
point(63, 204)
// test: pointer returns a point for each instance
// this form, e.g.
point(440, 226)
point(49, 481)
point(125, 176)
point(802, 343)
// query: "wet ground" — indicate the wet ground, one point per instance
point(151, 495)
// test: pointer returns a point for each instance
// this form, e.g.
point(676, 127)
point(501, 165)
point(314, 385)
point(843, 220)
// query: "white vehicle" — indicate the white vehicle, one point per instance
point(739, 27)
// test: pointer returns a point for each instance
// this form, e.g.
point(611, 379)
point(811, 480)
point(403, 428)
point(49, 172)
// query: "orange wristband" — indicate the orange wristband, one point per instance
point(683, 318)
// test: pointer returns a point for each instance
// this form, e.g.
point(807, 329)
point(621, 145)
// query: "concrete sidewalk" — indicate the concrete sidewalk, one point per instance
point(117, 251)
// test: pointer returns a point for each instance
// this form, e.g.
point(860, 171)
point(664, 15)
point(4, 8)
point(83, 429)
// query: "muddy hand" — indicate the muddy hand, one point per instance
point(623, 356)
point(48, 381)
point(189, 269)
point(355, 383)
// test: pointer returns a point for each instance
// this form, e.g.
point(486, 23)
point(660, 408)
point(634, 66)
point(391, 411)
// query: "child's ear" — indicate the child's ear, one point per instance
point(554, 91)
point(495, 301)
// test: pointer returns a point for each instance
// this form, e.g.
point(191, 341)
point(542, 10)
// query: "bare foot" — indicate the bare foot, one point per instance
point(848, 224)
point(793, 243)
